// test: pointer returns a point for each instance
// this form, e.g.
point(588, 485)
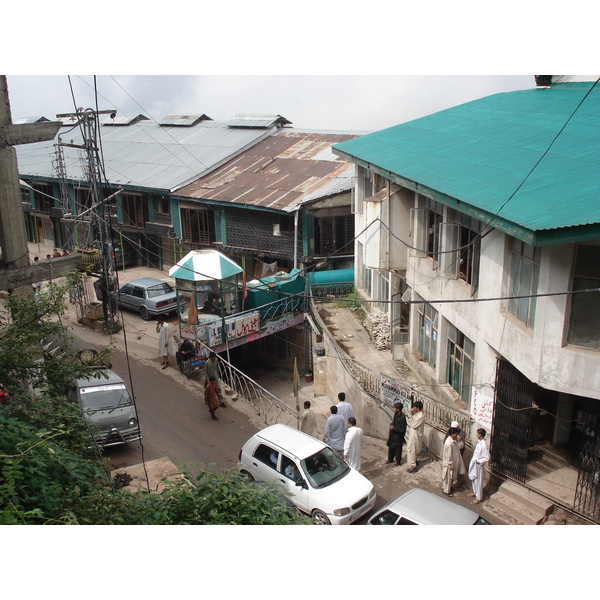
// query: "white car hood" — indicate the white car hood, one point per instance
point(342, 493)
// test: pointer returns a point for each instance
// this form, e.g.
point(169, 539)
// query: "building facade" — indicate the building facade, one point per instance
point(481, 241)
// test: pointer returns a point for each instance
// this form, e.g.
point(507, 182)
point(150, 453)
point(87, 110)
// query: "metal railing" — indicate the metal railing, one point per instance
point(331, 290)
point(268, 407)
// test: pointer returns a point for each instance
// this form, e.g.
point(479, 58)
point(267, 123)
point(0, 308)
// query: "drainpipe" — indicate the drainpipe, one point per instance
point(296, 238)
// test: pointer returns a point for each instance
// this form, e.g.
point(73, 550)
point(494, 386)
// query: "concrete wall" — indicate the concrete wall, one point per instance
point(331, 377)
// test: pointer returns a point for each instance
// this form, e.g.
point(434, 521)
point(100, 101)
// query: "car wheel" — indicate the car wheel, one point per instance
point(248, 475)
point(320, 518)
point(144, 313)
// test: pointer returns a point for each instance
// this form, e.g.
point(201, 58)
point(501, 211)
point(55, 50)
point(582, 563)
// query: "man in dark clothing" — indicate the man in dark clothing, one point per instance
point(186, 351)
point(396, 435)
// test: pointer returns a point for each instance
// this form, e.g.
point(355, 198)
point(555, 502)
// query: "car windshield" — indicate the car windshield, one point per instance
point(104, 397)
point(324, 468)
point(159, 290)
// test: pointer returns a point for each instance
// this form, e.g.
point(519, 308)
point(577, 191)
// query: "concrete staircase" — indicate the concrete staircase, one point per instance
point(523, 506)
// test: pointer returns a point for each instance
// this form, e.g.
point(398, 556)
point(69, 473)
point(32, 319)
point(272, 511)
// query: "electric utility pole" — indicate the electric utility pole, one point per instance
point(99, 218)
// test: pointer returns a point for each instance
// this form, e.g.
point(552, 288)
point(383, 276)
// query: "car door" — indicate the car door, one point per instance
point(125, 298)
point(264, 463)
point(298, 490)
point(137, 297)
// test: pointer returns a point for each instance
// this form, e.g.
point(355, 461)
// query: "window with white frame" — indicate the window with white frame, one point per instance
point(468, 253)
point(366, 282)
point(383, 290)
point(459, 368)
point(523, 275)
point(427, 221)
point(363, 189)
point(584, 318)
point(460, 249)
point(428, 332)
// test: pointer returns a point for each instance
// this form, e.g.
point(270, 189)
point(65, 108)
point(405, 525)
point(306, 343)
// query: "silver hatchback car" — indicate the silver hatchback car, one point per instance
point(418, 507)
point(149, 296)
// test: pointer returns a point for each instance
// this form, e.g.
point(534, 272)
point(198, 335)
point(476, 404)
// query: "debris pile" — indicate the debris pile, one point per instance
point(380, 332)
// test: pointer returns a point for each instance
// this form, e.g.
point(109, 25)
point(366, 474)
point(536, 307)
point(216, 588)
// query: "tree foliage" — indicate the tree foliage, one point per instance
point(49, 474)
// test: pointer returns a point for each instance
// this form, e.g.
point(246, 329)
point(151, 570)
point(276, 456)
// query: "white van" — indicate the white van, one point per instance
point(320, 483)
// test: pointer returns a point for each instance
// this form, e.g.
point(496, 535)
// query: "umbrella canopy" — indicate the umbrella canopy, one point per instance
point(203, 265)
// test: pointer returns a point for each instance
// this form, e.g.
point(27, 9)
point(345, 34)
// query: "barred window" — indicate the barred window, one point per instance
point(197, 226)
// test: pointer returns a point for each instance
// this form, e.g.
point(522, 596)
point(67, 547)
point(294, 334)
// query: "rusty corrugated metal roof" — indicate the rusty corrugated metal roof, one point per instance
point(281, 172)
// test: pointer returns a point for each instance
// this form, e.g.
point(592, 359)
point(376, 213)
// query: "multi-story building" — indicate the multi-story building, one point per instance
point(480, 239)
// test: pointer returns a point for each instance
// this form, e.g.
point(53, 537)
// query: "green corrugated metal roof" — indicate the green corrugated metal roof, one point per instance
point(479, 153)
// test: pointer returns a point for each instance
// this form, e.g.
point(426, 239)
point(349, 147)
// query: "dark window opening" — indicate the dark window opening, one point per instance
point(197, 226)
point(584, 320)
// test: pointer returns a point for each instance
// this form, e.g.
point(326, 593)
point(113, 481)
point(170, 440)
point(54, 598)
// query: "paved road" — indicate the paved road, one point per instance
point(175, 422)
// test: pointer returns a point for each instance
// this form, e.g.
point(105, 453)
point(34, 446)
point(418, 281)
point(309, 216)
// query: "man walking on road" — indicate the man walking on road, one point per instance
point(308, 421)
point(396, 435)
point(211, 369)
point(210, 398)
point(416, 420)
point(353, 444)
point(335, 431)
point(344, 408)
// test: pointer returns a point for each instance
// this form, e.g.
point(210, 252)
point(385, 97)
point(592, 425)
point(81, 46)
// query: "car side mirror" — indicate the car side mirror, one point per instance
point(302, 484)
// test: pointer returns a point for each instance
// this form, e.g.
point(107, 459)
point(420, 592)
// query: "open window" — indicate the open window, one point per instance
point(267, 455)
point(584, 318)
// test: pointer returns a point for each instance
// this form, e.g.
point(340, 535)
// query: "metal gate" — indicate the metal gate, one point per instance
point(587, 492)
point(513, 407)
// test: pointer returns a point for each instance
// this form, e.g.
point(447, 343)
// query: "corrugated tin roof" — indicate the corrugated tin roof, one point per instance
point(26, 120)
point(122, 119)
point(258, 121)
point(479, 153)
point(146, 154)
point(183, 120)
point(281, 172)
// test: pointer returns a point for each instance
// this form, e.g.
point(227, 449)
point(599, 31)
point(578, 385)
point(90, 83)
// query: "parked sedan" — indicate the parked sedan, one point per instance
point(149, 296)
point(418, 507)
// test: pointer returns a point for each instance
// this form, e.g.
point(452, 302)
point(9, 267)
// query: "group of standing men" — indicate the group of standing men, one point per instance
point(397, 432)
point(341, 432)
point(453, 466)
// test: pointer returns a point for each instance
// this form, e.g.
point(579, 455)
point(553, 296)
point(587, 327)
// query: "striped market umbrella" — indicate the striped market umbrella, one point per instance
point(203, 265)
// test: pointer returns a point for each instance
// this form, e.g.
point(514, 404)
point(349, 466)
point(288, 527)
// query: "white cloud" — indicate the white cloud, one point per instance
point(337, 102)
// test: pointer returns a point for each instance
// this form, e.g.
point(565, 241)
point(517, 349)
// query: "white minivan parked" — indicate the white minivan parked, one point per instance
point(319, 482)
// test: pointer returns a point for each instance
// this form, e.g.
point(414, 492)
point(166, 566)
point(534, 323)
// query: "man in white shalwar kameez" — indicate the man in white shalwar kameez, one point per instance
point(416, 420)
point(164, 341)
point(353, 444)
point(481, 455)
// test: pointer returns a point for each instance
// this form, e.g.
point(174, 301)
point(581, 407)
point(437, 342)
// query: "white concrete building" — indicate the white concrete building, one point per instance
point(479, 229)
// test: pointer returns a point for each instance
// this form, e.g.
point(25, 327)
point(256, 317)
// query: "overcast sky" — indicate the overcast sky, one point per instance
point(329, 65)
point(355, 103)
